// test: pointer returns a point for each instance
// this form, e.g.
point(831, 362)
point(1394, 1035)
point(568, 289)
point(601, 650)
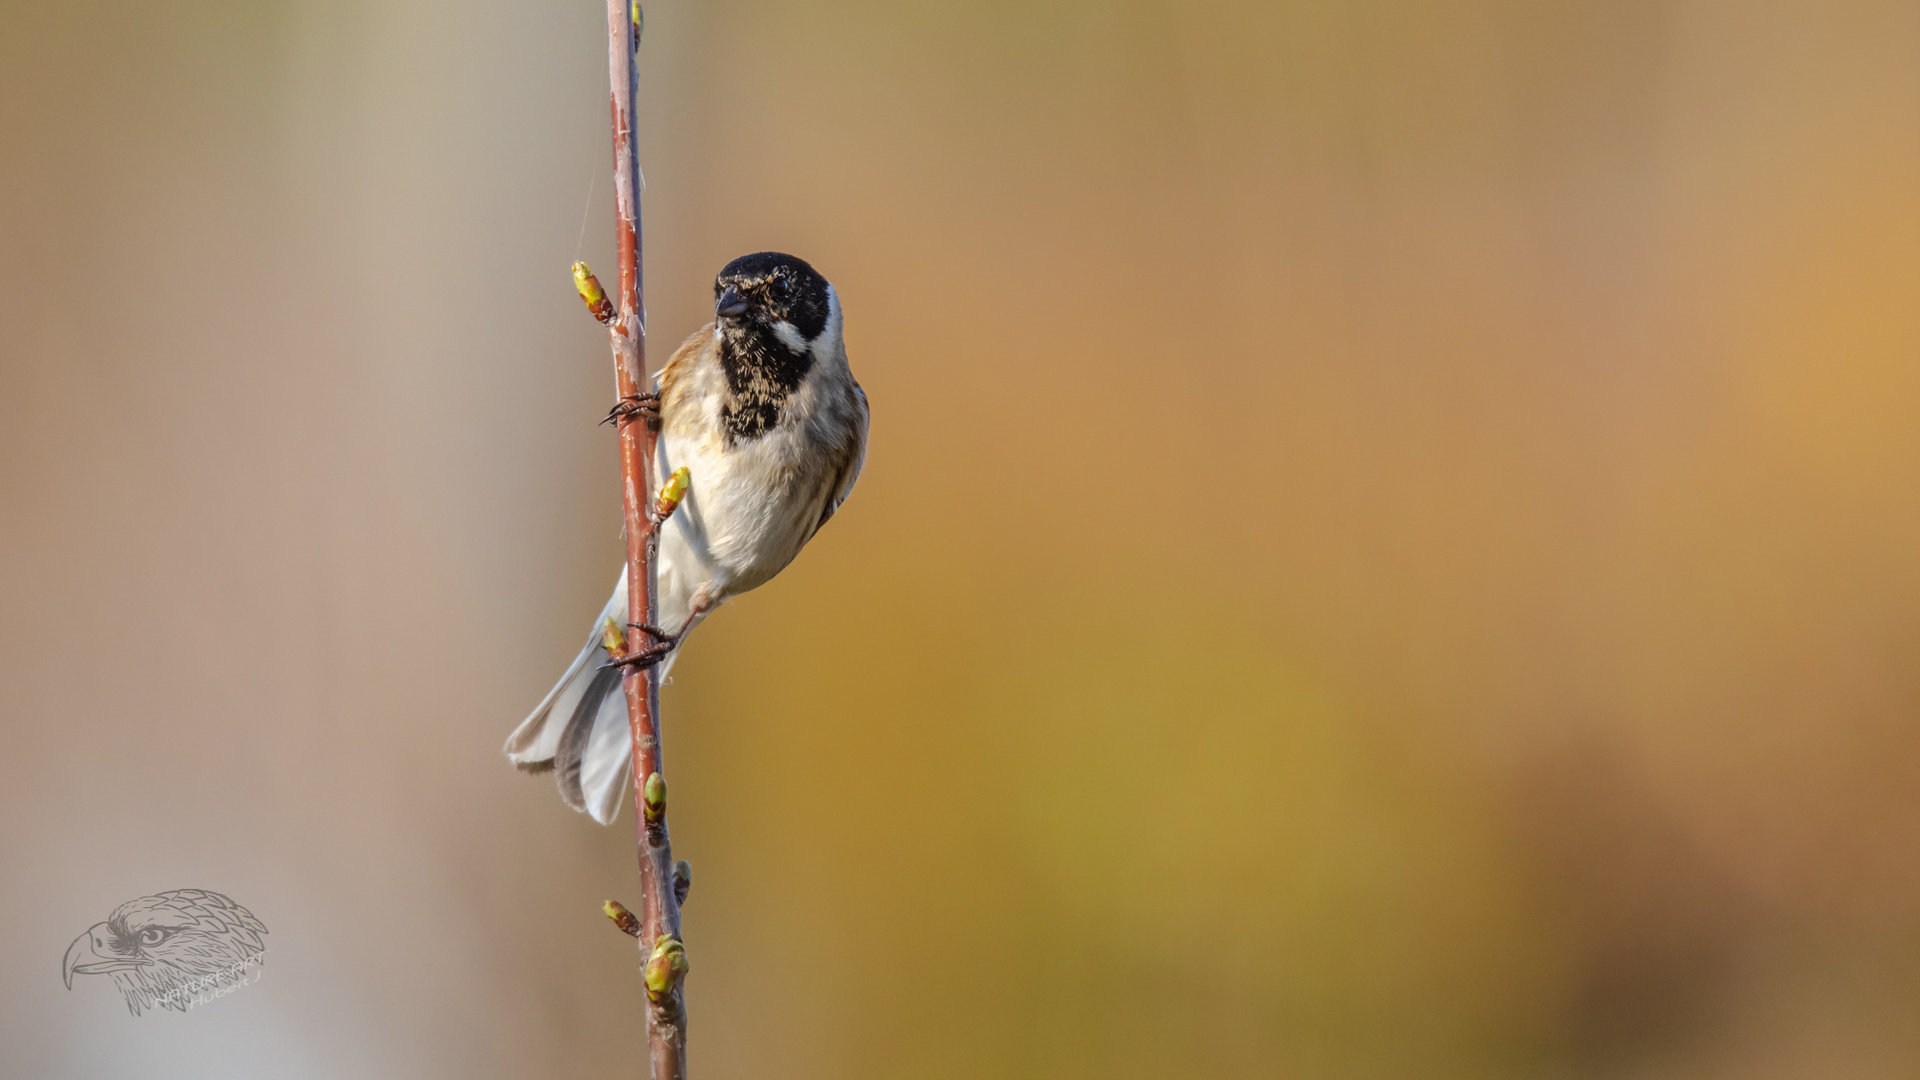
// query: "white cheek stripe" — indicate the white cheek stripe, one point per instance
point(789, 336)
point(826, 346)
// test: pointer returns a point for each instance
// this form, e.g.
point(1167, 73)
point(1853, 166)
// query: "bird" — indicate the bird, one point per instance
point(762, 409)
point(170, 950)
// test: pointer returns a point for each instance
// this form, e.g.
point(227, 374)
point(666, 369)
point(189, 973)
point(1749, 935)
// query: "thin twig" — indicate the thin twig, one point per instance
point(659, 936)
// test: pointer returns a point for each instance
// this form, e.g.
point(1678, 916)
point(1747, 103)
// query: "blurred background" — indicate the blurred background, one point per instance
point(1388, 550)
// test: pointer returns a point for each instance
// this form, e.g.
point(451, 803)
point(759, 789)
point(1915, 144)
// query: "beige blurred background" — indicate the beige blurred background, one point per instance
point(1389, 547)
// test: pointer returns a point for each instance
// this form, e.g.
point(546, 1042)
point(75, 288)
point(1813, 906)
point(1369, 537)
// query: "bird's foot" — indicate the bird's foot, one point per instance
point(645, 406)
point(646, 656)
point(640, 659)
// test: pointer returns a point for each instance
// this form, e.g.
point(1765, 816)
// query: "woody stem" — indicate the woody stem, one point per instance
point(660, 910)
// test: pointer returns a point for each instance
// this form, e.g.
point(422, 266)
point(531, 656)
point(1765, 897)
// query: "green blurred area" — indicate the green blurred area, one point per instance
point(1387, 548)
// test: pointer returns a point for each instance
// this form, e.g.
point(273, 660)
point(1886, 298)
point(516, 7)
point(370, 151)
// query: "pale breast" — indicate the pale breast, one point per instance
point(753, 503)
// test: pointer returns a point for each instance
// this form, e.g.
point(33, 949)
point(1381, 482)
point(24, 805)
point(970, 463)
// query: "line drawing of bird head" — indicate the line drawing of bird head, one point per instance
point(167, 949)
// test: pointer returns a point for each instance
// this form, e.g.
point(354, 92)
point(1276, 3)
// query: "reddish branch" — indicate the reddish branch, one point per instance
point(661, 882)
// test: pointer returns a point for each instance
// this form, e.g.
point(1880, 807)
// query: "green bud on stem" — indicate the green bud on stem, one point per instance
point(654, 799)
point(665, 968)
point(622, 918)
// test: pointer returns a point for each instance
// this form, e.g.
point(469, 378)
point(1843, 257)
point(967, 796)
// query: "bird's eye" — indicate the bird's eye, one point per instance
point(154, 935)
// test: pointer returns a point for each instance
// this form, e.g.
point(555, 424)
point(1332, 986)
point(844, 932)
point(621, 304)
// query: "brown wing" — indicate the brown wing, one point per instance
point(678, 366)
point(850, 465)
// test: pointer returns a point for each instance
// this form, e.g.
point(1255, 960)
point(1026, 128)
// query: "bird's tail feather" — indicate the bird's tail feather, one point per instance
point(580, 731)
point(576, 732)
point(534, 743)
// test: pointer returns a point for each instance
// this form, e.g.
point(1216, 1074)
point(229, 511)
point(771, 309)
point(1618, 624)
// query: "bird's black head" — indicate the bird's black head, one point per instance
point(778, 292)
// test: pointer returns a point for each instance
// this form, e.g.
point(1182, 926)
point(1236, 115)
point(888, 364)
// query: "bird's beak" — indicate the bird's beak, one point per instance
point(84, 956)
point(730, 303)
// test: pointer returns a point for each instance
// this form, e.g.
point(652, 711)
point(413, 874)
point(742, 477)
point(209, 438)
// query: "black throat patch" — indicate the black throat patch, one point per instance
point(762, 373)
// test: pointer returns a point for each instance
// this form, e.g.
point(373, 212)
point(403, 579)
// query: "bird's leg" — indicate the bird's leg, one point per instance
point(645, 406)
point(655, 632)
point(643, 657)
point(646, 656)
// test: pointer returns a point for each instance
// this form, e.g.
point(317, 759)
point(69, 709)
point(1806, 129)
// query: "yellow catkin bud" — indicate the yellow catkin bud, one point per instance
point(613, 637)
point(591, 293)
point(671, 493)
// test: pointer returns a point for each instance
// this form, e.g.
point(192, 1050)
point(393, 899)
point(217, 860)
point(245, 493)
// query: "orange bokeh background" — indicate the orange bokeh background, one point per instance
point(1388, 549)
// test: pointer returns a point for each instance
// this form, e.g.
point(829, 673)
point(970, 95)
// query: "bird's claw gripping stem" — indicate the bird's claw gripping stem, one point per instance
point(646, 656)
point(645, 406)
